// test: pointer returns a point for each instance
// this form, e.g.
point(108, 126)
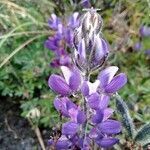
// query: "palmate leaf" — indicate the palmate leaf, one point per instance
point(143, 135)
point(123, 110)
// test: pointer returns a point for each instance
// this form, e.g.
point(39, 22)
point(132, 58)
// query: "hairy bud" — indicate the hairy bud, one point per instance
point(90, 49)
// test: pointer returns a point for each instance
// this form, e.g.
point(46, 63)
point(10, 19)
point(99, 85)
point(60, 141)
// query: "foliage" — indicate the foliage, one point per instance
point(127, 121)
point(142, 135)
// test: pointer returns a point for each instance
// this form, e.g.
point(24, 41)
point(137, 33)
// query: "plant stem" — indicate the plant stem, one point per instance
point(85, 125)
point(84, 128)
point(38, 134)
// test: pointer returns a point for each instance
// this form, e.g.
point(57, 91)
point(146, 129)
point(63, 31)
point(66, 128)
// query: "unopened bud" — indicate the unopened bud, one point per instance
point(33, 113)
point(90, 49)
point(91, 22)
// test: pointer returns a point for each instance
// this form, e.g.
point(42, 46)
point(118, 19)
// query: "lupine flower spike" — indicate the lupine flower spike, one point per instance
point(89, 116)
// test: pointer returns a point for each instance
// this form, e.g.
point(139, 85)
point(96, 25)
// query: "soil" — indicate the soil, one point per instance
point(15, 131)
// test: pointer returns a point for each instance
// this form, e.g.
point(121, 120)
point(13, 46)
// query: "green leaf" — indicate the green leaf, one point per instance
point(127, 121)
point(143, 135)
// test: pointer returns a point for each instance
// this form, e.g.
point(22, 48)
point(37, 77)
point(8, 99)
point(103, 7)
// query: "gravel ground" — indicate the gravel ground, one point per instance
point(15, 131)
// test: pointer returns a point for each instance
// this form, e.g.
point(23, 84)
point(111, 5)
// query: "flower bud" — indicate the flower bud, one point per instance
point(90, 56)
point(90, 49)
point(91, 22)
point(33, 113)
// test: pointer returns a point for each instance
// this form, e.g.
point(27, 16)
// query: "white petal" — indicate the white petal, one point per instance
point(93, 86)
point(107, 75)
point(67, 73)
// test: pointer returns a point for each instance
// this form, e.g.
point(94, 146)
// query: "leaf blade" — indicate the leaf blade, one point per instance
point(143, 135)
point(127, 121)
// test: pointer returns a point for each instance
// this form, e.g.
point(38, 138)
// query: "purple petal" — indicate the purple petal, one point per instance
point(107, 142)
point(62, 143)
point(81, 117)
point(71, 105)
point(58, 84)
point(94, 100)
point(52, 43)
point(81, 49)
point(101, 48)
point(137, 46)
point(73, 114)
point(98, 117)
point(73, 20)
point(69, 36)
point(93, 133)
point(72, 77)
point(64, 60)
point(86, 3)
point(107, 113)
point(84, 143)
point(104, 101)
point(75, 80)
point(54, 21)
point(85, 89)
point(107, 75)
point(117, 83)
point(74, 139)
point(50, 142)
point(60, 31)
point(69, 128)
point(61, 105)
point(55, 63)
point(110, 127)
point(145, 31)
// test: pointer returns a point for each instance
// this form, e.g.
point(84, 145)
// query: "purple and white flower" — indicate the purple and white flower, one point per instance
point(89, 117)
point(67, 85)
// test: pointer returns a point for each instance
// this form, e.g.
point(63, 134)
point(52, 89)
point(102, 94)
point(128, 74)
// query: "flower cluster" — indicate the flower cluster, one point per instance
point(62, 38)
point(85, 104)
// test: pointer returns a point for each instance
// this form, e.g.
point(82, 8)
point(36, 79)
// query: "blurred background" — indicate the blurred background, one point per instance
point(25, 63)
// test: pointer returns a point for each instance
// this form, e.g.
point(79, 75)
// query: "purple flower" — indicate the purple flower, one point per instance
point(69, 109)
point(110, 83)
point(52, 43)
point(91, 54)
point(85, 3)
point(68, 84)
point(63, 60)
point(107, 142)
point(70, 128)
point(61, 104)
point(98, 117)
point(144, 31)
point(137, 46)
point(63, 143)
point(97, 101)
point(85, 104)
point(62, 39)
point(59, 85)
point(101, 133)
point(73, 21)
point(109, 127)
point(54, 21)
